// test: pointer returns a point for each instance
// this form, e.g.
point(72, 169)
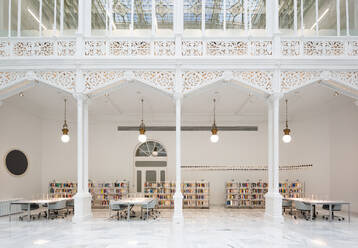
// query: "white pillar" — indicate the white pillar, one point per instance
point(178, 196)
point(83, 197)
point(273, 198)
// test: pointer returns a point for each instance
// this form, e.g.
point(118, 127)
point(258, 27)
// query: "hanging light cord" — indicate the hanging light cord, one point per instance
point(142, 109)
point(214, 111)
point(286, 114)
point(65, 109)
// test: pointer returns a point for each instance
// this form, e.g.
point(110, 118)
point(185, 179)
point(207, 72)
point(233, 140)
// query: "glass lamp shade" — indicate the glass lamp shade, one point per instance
point(286, 138)
point(155, 153)
point(65, 138)
point(142, 138)
point(214, 138)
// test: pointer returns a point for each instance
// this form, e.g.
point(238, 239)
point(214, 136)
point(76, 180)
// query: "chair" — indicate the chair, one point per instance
point(25, 208)
point(335, 208)
point(121, 210)
point(70, 205)
point(150, 210)
point(303, 209)
point(57, 209)
point(287, 204)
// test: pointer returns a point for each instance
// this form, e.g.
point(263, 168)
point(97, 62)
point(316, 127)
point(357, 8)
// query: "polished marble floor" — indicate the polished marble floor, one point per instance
point(213, 228)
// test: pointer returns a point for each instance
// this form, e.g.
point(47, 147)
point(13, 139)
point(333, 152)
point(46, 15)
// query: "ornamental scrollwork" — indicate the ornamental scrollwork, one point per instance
point(7, 77)
point(65, 80)
point(96, 79)
point(196, 79)
point(349, 78)
point(296, 79)
point(257, 79)
point(164, 80)
point(192, 48)
point(323, 48)
point(227, 48)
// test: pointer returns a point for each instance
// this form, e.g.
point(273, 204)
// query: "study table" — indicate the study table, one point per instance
point(39, 202)
point(314, 202)
point(130, 202)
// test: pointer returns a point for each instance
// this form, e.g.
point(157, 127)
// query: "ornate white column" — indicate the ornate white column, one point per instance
point(178, 196)
point(273, 198)
point(83, 197)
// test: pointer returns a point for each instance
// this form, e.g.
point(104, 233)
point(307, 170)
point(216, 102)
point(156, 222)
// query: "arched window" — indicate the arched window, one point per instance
point(151, 149)
point(150, 164)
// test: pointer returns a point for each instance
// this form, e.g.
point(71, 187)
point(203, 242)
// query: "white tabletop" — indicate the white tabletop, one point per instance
point(133, 201)
point(316, 201)
point(41, 201)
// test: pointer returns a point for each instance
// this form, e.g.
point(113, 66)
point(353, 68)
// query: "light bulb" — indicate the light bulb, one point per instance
point(142, 138)
point(287, 138)
point(214, 138)
point(65, 138)
point(155, 153)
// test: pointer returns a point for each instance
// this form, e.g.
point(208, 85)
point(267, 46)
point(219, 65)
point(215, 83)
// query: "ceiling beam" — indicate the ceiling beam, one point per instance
point(188, 128)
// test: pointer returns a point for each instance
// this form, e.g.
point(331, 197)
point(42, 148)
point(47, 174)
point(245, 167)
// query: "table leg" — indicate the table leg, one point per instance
point(349, 213)
point(129, 214)
point(311, 212)
point(330, 212)
point(28, 212)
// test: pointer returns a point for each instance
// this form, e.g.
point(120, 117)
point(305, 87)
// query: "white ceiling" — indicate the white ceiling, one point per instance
point(235, 106)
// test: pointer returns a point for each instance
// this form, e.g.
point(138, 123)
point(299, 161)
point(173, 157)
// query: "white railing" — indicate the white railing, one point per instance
point(287, 47)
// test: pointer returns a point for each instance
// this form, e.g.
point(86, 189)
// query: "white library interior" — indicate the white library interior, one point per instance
point(178, 123)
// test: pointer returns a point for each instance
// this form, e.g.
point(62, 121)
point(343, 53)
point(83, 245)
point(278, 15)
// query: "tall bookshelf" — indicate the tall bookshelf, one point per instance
point(104, 192)
point(195, 193)
point(101, 193)
point(252, 194)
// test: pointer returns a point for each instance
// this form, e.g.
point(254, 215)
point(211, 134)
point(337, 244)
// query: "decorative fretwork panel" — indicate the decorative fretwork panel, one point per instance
point(65, 80)
point(196, 79)
point(95, 48)
point(227, 48)
point(34, 48)
point(4, 48)
point(257, 79)
point(261, 48)
point(192, 48)
point(352, 48)
point(164, 80)
point(291, 48)
point(140, 48)
point(66, 48)
point(119, 48)
point(96, 79)
point(7, 77)
point(164, 48)
point(347, 77)
point(295, 79)
point(323, 48)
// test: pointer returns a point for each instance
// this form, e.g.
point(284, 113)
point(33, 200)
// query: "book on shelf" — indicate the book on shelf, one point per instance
point(252, 194)
point(195, 193)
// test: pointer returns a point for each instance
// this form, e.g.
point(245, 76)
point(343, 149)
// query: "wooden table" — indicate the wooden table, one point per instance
point(330, 203)
point(135, 201)
point(40, 202)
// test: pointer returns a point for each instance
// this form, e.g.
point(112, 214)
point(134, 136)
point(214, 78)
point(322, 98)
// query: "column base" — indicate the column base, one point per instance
point(178, 217)
point(273, 207)
point(82, 207)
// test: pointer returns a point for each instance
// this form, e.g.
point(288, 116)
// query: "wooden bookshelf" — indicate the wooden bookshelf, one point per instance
point(195, 193)
point(101, 193)
point(252, 194)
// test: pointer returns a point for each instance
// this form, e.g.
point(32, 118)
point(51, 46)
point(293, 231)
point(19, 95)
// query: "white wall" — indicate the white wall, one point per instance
point(344, 155)
point(111, 155)
point(331, 148)
point(22, 131)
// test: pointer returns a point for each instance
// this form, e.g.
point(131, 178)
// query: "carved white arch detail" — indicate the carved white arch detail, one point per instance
point(292, 80)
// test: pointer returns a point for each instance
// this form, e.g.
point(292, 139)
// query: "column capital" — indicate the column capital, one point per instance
point(274, 96)
point(178, 96)
point(80, 96)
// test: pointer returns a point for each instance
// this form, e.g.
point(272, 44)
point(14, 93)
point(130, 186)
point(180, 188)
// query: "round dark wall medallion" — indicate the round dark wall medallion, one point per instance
point(16, 162)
